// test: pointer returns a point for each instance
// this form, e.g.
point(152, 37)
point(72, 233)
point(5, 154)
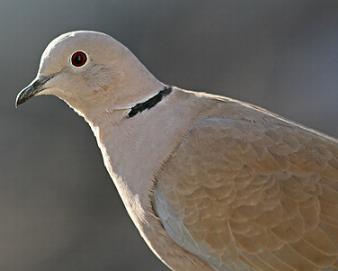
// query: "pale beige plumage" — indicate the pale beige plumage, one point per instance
point(245, 190)
point(211, 183)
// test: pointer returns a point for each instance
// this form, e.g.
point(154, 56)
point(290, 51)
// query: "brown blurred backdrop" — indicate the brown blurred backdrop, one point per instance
point(58, 207)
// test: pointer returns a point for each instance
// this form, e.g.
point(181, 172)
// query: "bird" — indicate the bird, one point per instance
point(210, 182)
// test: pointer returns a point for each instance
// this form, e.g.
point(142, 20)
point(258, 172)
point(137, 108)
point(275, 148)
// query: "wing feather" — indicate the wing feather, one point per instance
point(253, 195)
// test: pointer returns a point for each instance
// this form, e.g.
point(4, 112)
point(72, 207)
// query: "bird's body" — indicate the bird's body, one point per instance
point(211, 183)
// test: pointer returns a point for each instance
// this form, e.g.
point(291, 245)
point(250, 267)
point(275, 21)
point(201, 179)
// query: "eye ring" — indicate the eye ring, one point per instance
point(78, 59)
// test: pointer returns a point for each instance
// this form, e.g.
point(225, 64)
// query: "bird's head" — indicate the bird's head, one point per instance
point(89, 69)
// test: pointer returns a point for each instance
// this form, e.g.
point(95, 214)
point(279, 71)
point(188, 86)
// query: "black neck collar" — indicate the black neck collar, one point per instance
point(138, 108)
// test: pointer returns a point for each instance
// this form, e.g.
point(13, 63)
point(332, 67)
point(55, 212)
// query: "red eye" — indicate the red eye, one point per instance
point(79, 59)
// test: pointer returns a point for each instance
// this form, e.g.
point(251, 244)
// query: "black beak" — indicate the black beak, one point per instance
point(33, 88)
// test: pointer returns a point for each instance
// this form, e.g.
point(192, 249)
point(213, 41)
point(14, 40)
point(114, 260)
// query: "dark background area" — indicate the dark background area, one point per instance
point(58, 207)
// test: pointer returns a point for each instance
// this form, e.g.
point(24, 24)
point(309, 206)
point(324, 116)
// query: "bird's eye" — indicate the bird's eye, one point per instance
point(79, 58)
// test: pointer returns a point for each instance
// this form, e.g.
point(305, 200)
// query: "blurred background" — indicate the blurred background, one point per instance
point(58, 207)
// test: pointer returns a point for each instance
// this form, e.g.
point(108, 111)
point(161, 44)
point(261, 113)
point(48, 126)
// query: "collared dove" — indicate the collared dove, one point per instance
point(211, 183)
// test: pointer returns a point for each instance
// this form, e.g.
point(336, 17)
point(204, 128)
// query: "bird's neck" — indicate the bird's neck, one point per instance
point(133, 148)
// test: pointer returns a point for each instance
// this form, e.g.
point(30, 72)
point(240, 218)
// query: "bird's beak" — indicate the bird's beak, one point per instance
point(36, 86)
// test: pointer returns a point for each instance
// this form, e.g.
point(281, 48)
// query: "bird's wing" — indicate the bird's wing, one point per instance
point(246, 195)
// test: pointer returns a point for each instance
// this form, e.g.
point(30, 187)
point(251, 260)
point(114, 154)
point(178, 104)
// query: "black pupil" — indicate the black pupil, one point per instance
point(79, 59)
